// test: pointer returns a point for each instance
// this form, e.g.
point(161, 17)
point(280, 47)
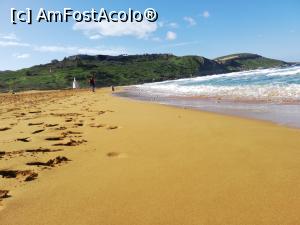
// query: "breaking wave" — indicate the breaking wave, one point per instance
point(270, 84)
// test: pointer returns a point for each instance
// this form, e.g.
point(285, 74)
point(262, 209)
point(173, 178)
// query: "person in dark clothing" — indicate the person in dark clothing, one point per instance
point(112, 88)
point(93, 83)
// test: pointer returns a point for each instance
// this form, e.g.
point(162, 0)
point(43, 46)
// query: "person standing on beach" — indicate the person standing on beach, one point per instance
point(93, 83)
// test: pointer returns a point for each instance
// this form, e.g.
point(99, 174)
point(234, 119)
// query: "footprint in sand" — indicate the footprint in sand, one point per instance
point(71, 134)
point(11, 154)
point(42, 150)
point(65, 114)
point(29, 151)
point(4, 194)
point(112, 127)
point(51, 125)
point(71, 143)
point(38, 131)
point(25, 175)
point(35, 124)
point(78, 125)
point(116, 155)
point(54, 138)
point(101, 112)
point(27, 139)
point(35, 112)
point(97, 125)
point(2, 154)
point(50, 163)
point(60, 128)
point(19, 114)
point(4, 128)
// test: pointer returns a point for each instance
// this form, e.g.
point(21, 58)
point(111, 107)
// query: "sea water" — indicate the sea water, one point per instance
point(267, 94)
point(278, 84)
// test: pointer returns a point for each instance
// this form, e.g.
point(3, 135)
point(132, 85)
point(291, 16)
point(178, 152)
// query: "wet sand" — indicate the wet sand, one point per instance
point(283, 112)
point(91, 158)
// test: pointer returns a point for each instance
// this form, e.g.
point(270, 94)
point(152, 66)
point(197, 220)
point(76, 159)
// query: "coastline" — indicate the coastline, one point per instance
point(148, 164)
point(284, 113)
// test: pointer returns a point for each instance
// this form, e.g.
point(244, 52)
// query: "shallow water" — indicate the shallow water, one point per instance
point(270, 94)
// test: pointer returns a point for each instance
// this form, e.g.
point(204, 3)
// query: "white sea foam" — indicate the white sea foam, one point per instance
point(271, 84)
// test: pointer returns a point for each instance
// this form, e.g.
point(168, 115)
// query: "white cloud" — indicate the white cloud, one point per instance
point(53, 48)
point(171, 36)
point(63, 49)
point(11, 40)
point(190, 20)
point(21, 56)
point(168, 24)
point(206, 14)
point(173, 25)
point(102, 51)
point(11, 37)
point(80, 50)
point(13, 44)
point(106, 29)
point(95, 37)
point(180, 44)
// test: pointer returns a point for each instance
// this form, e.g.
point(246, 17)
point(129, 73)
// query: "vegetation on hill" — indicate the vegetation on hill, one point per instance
point(246, 61)
point(126, 70)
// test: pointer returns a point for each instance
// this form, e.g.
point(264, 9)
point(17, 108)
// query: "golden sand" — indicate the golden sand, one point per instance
point(100, 160)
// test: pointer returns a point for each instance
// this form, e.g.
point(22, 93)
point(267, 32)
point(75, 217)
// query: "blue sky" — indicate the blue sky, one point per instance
point(209, 28)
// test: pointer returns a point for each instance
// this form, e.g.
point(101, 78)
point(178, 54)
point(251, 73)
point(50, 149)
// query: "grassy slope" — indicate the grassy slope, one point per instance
point(246, 61)
point(126, 70)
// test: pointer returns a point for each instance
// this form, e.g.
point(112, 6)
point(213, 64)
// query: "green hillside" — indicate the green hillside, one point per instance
point(246, 61)
point(126, 70)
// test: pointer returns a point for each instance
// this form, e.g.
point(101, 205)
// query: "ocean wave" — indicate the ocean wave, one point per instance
point(271, 84)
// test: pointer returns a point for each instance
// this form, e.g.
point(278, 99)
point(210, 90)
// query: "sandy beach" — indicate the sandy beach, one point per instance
point(76, 157)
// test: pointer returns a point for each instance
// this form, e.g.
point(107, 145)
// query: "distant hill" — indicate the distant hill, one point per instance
point(5, 71)
point(127, 70)
point(247, 61)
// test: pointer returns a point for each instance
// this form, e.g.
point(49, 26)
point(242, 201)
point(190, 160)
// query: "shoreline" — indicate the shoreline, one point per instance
point(142, 163)
point(281, 113)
